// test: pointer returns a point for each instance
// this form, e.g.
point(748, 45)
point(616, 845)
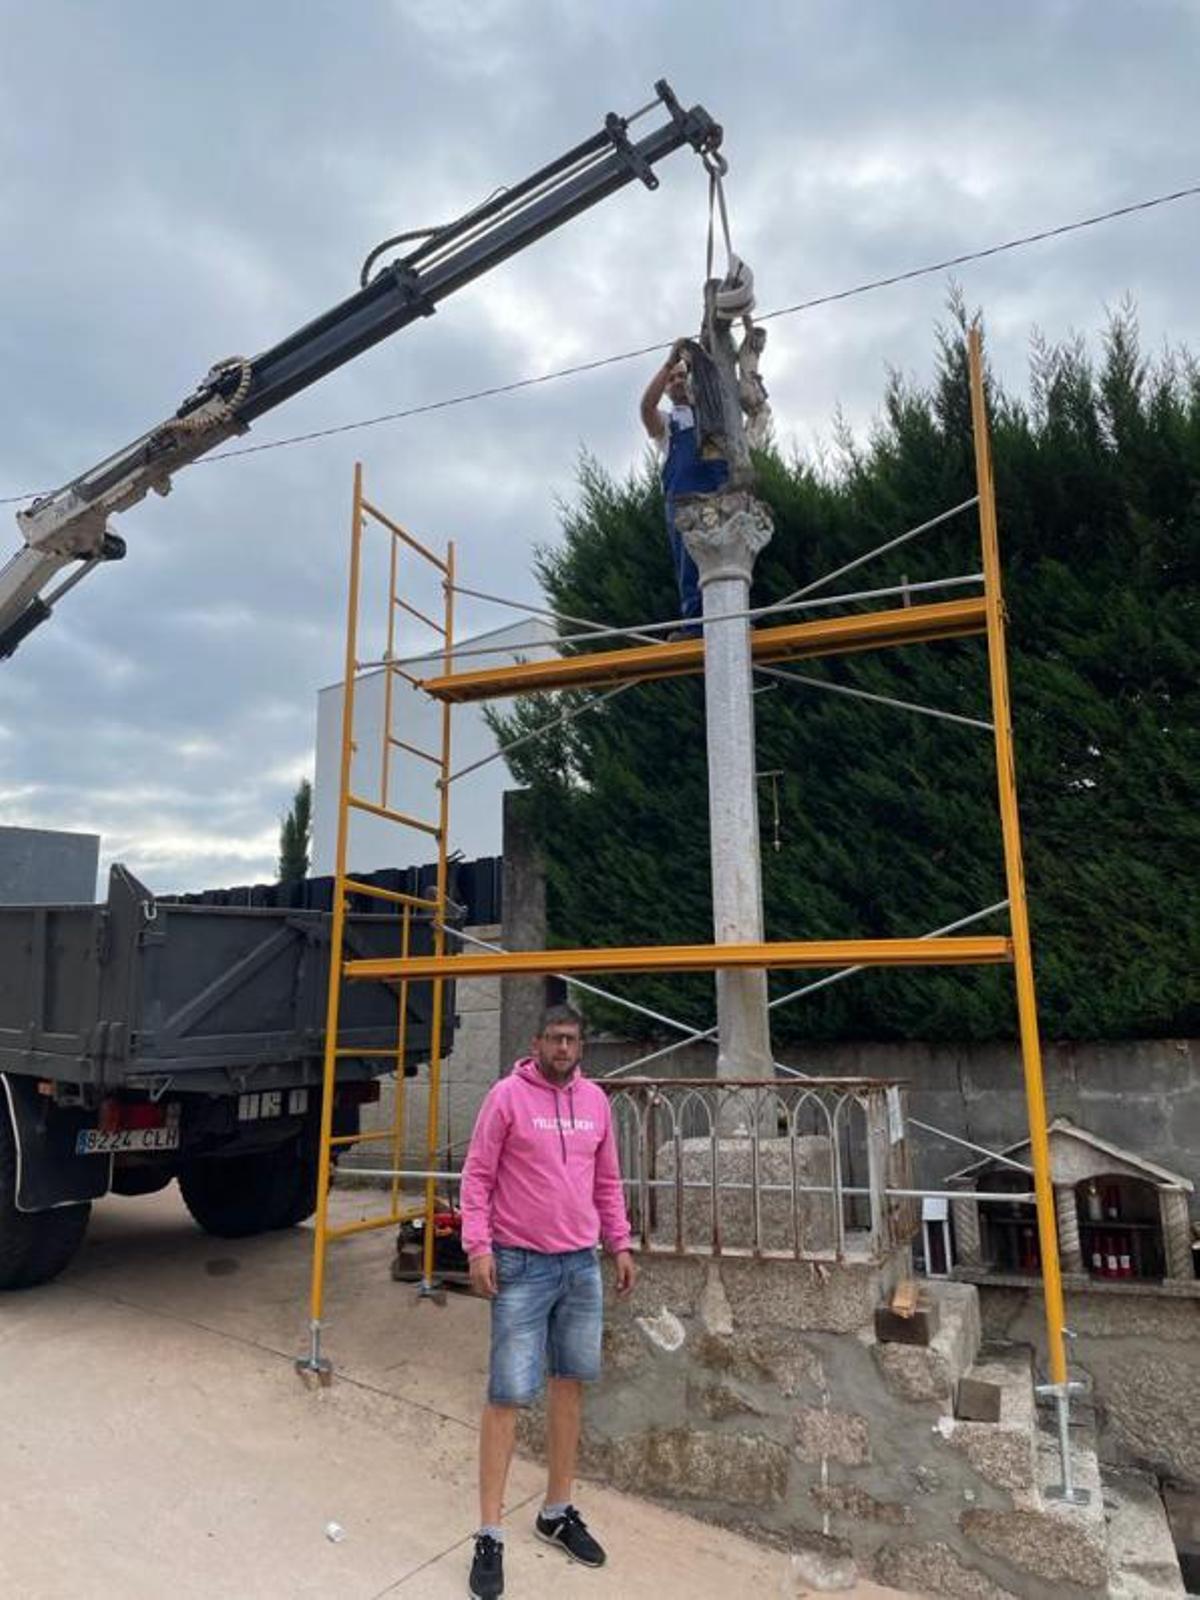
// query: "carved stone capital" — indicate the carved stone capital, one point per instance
point(724, 532)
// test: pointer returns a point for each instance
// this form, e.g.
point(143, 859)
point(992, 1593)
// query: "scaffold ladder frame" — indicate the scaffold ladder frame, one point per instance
point(641, 662)
point(344, 885)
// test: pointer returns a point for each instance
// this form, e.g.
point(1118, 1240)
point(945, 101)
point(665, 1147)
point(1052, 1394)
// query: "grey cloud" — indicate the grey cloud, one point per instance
point(177, 186)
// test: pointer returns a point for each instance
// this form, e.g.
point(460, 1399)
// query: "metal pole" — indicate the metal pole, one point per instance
point(399, 1108)
point(315, 1364)
point(648, 631)
point(428, 1287)
point(1031, 1052)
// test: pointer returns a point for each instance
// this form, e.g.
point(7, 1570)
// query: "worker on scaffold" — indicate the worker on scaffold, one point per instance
point(684, 471)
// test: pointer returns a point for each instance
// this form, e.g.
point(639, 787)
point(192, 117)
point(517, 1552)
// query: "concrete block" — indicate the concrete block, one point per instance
point(803, 1296)
point(718, 1402)
point(1142, 1561)
point(1151, 1067)
point(960, 1333)
point(918, 1328)
point(933, 1568)
point(1044, 1537)
point(821, 1570)
point(1002, 1452)
point(478, 994)
point(991, 1069)
point(1041, 1545)
point(823, 1435)
point(674, 1281)
point(715, 1312)
point(976, 1400)
point(623, 1347)
point(1154, 1409)
point(1181, 1149)
point(741, 1468)
point(762, 1357)
point(914, 1373)
point(735, 1208)
point(847, 1500)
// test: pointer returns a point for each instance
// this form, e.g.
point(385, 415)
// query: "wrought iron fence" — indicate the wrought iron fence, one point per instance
point(811, 1169)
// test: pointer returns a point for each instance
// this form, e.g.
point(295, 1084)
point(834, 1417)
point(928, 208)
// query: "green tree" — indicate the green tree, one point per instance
point(889, 819)
point(295, 835)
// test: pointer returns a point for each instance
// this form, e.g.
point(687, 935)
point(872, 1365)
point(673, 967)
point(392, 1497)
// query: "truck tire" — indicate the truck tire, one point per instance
point(243, 1195)
point(302, 1201)
point(35, 1246)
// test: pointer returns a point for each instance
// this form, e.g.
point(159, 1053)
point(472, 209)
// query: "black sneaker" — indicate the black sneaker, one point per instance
point(569, 1532)
point(487, 1569)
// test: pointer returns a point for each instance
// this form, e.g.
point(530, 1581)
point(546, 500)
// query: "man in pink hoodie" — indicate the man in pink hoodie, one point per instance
point(540, 1189)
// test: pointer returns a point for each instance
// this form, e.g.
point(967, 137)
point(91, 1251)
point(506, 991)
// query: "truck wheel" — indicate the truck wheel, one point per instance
point(34, 1245)
point(243, 1195)
point(302, 1201)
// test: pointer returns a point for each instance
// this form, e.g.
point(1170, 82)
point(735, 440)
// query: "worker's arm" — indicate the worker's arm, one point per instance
point(478, 1182)
point(652, 417)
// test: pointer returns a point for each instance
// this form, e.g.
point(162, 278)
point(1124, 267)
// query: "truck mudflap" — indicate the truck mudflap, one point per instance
point(49, 1172)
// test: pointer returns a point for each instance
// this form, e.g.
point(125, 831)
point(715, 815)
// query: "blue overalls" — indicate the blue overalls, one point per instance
point(686, 472)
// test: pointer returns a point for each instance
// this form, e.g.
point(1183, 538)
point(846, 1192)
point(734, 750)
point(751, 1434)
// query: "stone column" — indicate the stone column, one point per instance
point(968, 1250)
point(1066, 1212)
point(522, 1000)
point(1177, 1232)
point(724, 533)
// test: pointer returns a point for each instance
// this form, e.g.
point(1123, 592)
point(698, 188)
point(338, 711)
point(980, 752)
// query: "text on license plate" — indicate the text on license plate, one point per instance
point(92, 1142)
point(272, 1103)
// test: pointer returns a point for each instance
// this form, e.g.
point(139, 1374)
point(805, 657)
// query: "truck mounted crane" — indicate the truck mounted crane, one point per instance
point(71, 528)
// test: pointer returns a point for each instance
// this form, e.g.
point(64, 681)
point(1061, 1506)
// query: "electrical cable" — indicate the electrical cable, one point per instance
point(579, 368)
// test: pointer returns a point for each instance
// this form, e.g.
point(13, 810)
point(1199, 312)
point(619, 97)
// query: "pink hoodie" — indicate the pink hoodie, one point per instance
point(542, 1169)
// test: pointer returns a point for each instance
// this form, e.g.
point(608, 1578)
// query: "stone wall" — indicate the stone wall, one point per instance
point(1138, 1348)
point(1143, 1095)
point(754, 1394)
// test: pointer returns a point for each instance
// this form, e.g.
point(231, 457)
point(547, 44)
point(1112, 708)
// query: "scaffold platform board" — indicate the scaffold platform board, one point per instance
point(976, 951)
point(831, 636)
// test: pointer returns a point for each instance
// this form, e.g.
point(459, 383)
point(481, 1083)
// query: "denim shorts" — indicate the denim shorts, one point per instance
point(547, 1314)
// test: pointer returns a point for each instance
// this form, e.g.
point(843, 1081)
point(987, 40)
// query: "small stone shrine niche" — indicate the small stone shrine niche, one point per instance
point(1120, 1217)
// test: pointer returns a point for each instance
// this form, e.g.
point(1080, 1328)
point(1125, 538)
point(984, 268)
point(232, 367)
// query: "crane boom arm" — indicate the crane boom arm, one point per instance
point(71, 525)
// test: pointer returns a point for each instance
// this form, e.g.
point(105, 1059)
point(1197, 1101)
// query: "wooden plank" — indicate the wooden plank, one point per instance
point(904, 1298)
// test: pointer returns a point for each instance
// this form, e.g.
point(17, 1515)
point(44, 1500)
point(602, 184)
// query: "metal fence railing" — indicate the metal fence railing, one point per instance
point(808, 1170)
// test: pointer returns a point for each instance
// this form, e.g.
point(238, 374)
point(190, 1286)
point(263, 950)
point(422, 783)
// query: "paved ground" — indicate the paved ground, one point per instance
point(156, 1443)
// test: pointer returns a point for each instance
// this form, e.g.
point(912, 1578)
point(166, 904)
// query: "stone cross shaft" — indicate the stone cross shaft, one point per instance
point(724, 533)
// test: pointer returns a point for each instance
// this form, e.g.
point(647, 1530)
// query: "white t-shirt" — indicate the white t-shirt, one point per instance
point(682, 417)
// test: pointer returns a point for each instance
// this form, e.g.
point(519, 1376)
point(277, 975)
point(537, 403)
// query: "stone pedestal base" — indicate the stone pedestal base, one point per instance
point(734, 1224)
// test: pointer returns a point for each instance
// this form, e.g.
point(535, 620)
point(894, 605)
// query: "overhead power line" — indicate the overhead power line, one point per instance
point(869, 287)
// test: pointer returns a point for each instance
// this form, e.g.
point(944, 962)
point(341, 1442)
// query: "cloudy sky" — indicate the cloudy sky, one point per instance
point(181, 183)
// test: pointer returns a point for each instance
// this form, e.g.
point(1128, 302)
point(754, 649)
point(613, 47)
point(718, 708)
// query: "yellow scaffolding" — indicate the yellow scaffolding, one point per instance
point(432, 907)
point(913, 624)
point(832, 636)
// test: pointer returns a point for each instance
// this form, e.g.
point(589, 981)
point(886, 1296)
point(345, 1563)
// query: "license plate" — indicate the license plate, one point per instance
point(91, 1142)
